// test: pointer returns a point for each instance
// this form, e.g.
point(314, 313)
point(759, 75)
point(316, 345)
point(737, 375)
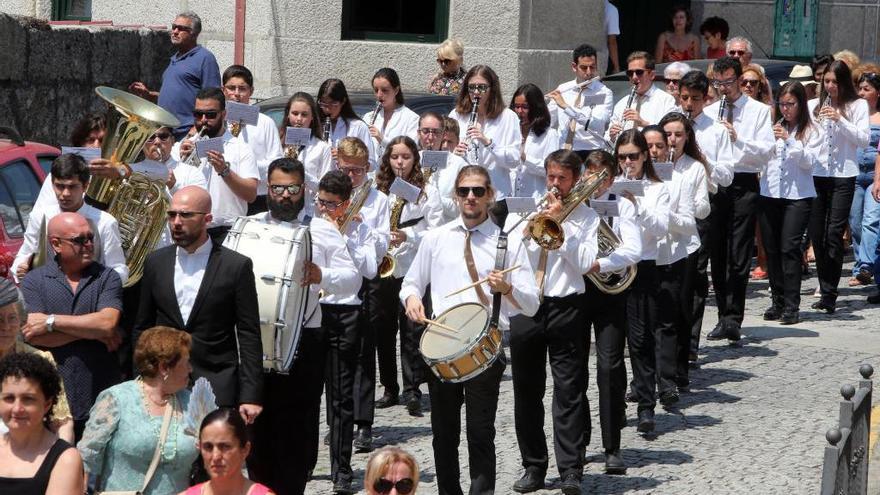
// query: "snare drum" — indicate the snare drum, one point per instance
point(458, 356)
point(279, 253)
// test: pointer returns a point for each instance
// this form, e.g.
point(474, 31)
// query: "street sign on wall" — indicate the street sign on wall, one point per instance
point(794, 29)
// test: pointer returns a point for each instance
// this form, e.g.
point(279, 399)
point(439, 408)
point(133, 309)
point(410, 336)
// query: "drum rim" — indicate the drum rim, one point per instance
point(470, 343)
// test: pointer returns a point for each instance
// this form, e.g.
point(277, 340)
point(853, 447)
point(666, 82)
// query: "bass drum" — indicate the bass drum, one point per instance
point(279, 253)
point(461, 355)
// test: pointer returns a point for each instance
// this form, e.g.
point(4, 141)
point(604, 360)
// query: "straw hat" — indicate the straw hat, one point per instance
point(802, 74)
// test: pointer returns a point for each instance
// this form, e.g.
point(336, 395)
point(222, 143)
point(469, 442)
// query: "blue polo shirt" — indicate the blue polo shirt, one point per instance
point(182, 80)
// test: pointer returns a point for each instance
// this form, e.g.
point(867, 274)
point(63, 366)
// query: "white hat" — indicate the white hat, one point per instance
point(802, 74)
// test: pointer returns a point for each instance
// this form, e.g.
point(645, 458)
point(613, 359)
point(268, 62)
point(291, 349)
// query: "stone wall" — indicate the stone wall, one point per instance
point(50, 73)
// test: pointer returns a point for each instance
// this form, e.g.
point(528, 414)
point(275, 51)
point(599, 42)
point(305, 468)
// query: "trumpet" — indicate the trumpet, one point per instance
point(376, 113)
point(722, 105)
point(193, 158)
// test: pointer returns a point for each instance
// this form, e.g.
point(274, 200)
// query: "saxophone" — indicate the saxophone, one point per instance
point(389, 261)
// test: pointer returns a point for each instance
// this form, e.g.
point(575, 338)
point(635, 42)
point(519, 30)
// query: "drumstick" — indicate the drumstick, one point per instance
point(481, 281)
point(439, 325)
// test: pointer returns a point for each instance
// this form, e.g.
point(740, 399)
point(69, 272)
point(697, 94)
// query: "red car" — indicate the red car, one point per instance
point(23, 166)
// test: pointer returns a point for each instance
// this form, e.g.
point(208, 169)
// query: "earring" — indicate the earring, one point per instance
point(165, 377)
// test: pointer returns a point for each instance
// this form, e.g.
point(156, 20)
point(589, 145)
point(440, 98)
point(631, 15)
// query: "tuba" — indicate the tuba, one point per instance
point(389, 261)
point(614, 282)
point(139, 207)
point(546, 230)
point(357, 202)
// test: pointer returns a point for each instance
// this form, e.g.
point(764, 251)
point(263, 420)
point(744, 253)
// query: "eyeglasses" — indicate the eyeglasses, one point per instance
point(674, 82)
point(736, 53)
point(403, 486)
point(161, 136)
point(237, 89)
point(80, 240)
point(787, 104)
point(463, 192)
point(211, 114)
point(478, 88)
point(716, 83)
point(749, 82)
point(637, 72)
point(184, 215)
point(628, 157)
point(521, 107)
point(292, 189)
point(327, 104)
point(431, 132)
point(444, 61)
point(330, 205)
point(356, 171)
point(181, 27)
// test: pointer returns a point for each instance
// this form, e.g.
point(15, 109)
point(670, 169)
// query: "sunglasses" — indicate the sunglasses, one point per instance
point(675, 82)
point(185, 215)
point(180, 27)
point(403, 486)
point(292, 189)
point(873, 76)
point(637, 72)
point(734, 53)
point(478, 88)
point(80, 240)
point(628, 157)
point(463, 192)
point(211, 114)
point(161, 136)
point(749, 82)
point(330, 205)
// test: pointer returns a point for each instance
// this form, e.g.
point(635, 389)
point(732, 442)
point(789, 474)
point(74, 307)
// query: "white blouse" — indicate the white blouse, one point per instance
point(688, 195)
point(530, 177)
point(847, 135)
point(502, 155)
point(444, 181)
point(354, 128)
point(652, 215)
point(403, 122)
point(789, 174)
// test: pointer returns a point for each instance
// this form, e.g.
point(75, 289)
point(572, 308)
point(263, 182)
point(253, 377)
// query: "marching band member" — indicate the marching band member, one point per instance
point(555, 330)
point(538, 141)
point(301, 111)
point(689, 201)
point(581, 126)
point(158, 150)
point(651, 338)
point(735, 207)
point(238, 86)
point(844, 117)
point(450, 136)
point(232, 175)
point(341, 323)
point(606, 313)
point(334, 105)
point(787, 191)
point(439, 263)
point(658, 146)
point(393, 118)
point(282, 455)
point(644, 107)
point(353, 160)
point(492, 139)
point(401, 159)
point(431, 132)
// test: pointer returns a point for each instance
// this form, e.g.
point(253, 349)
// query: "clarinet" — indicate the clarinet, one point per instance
point(781, 148)
point(829, 131)
point(375, 113)
point(722, 105)
point(474, 151)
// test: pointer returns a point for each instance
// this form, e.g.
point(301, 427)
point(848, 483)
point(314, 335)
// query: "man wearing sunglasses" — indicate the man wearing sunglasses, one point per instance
point(74, 304)
point(192, 68)
point(159, 163)
point(649, 104)
point(232, 175)
point(740, 49)
point(70, 178)
point(734, 207)
point(450, 257)
point(286, 433)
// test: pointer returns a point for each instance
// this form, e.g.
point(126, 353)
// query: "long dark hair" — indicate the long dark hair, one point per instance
point(873, 79)
point(691, 147)
point(846, 90)
point(804, 122)
point(539, 115)
point(495, 105)
point(391, 76)
point(385, 176)
point(633, 136)
point(315, 126)
point(334, 89)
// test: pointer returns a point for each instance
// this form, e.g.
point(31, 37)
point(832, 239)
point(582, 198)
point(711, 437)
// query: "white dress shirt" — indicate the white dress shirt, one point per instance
point(361, 241)
point(625, 225)
point(714, 141)
point(652, 215)
point(317, 161)
point(687, 195)
point(754, 143)
point(107, 245)
point(652, 106)
point(403, 122)
point(530, 177)
point(338, 273)
point(355, 128)
point(502, 155)
point(789, 173)
point(440, 262)
point(189, 270)
point(444, 181)
point(375, 213)
point(265, 144)
point(848, 134)
point(591, 119)
point(566, 266)
point(429, 210)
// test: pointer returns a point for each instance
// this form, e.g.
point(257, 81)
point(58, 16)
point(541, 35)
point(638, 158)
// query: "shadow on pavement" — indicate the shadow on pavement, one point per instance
point(391, 435)
point(639, 458)
point(705, 396)
point(709, 377)
point(761, 334)
point(717, 353)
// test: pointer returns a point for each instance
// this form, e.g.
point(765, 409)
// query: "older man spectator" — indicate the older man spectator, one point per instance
point(192, 68)
point(74, 305)
point(740, 49)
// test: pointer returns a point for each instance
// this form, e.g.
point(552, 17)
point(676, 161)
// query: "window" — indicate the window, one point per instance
point(17, 196)
point(71, 10)
point(46, 162)
point(425, 21)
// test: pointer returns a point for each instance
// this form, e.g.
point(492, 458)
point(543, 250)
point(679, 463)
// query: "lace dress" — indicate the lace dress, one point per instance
point(120, 439)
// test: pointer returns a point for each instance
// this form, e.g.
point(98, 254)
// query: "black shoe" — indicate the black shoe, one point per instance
point(646, 421)
point(414, 405)
point(668, 397)
point(571, 484)
point(614, 463)
point(826, 306)
point(719, 332)
point(874, 299)
point(327, 438)
point(343, 487)
point(773, 313)
point(387, 400)
point(532, 480)
point(790, 318)
point(693, 357)
point(864, 276)
point(363, 439)
point(631, 397)
point(733, 334)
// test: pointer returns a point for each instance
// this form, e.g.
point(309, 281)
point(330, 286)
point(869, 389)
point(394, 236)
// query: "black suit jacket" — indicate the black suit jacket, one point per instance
point(224, 321)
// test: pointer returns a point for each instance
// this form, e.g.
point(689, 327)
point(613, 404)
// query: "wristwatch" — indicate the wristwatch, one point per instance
point(50, 323)
point(223, 173)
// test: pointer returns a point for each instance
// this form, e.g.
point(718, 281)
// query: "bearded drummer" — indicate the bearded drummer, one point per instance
point(282, 453)
point(450, 257)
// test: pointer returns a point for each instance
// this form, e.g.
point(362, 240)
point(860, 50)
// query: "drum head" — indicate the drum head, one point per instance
point(469, 319)
point(292, 310)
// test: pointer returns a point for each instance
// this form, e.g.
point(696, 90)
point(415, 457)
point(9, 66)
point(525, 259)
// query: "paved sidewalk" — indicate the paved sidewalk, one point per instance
point(754, 422)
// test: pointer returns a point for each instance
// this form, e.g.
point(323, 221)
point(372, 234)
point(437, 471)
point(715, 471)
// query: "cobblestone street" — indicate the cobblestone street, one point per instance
point(753, 423)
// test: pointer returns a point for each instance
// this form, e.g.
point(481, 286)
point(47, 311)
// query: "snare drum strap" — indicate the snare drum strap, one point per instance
point(500, 256)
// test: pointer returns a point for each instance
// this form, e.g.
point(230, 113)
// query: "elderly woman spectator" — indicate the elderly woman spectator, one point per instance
point(672, 74)
point(848, 57)
point(126, 421)
point(450, 57)
point(391, 470)
point(755, 85)
point(678, 43)
point(33, 460)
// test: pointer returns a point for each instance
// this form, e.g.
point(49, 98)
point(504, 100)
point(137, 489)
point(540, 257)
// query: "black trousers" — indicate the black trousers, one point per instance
point(339, 324)
point(654, 309)
point(700, 280)
point(782, 223)
point(286, 432)
point(555, 331)
point(480, 398)
point(685, 328)
point(365, 372)
point(828, 220)
point(607, 315)
point(392, 317)
point(733, 237)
